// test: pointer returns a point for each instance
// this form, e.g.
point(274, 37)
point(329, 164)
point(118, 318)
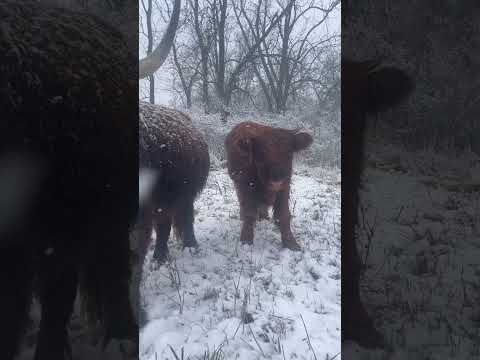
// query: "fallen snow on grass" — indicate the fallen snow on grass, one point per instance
point(250, 302)
point(420, 237)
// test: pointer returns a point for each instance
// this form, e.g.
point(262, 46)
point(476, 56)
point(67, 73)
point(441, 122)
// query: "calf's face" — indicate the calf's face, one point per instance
point(272, 155)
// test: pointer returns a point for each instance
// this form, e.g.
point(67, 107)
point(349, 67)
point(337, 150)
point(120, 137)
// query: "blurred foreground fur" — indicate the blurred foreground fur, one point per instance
point(68, 94)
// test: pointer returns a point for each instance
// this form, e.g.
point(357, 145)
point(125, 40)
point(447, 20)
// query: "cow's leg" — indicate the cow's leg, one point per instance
point(58, 280)
point(163, 226)
point(247, 232)
point(16, 275)
point(115, 275)
point(144, 230)
point(106, 275)
point(183, 221)
point(248, 213)
point(282, 219)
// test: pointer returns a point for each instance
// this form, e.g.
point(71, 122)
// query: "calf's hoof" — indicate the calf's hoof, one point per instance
point(292, 245)
point(246, 236)
point(190, 244)
point(246, 241)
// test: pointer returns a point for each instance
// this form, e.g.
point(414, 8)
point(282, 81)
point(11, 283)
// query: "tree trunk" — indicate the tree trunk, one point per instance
point(151, 78)
point(205, 96)
point(151, 95)
point(220, 71)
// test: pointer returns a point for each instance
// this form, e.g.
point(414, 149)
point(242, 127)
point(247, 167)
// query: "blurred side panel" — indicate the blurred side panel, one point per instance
point(68, 178)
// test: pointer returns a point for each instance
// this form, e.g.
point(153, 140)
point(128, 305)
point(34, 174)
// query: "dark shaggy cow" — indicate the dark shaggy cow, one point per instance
point(69, 119)
point(367, 88)
point(259, 161)
point(175, 150)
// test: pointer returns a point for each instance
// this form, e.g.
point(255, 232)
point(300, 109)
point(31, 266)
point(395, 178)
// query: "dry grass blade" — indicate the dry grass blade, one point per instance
point(308, 339)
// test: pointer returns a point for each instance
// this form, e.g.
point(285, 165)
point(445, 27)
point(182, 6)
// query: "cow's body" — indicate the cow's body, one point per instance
point(366, 88)
point(259, 160)
point(67, 108)
point(171, 147)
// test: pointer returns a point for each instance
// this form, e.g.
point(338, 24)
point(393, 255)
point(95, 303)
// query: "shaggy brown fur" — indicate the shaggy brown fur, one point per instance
point(65, 102)
point(172, 147)
point(366, 88)
point(259, 160)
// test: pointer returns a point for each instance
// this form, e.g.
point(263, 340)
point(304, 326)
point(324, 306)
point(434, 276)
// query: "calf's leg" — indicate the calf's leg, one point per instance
point(248, 213)
point(183, 221)
point(282, 218)
point(144, 228)
point(163, 226)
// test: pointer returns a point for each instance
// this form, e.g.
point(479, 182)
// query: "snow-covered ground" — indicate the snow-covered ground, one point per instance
point(235, 301)
point(421, 233)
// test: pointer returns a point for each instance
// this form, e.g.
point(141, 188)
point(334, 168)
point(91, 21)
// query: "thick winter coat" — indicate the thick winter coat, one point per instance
point(176, 151)
point(259, 161)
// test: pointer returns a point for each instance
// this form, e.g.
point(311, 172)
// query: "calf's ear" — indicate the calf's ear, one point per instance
point(387, 86)
point(301, 140)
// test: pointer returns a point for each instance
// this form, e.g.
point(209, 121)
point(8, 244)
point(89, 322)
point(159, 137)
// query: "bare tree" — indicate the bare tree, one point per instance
point(147, 7)
point(287, 59)
point(265, 53)
point(188, 70)
point(204, 41)
point(226, 84)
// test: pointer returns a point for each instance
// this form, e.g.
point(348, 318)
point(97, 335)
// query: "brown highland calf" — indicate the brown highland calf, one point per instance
point(367, 88)
point(175, 150)
point(259, 161)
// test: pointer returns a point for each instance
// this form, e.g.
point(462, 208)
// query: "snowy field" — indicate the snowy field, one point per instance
point(234, 301)
point(422, 248)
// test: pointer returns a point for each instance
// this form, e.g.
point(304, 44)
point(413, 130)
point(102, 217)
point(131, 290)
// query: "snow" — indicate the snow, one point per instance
point(197, 300)
point(421, 282)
